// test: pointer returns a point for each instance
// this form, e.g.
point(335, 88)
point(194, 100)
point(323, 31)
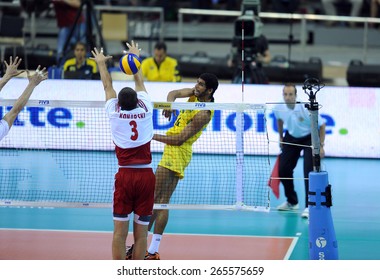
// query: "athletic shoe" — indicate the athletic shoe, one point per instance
point(128, 254)
point(286, 206)
point(305, 213)
point(155, 256)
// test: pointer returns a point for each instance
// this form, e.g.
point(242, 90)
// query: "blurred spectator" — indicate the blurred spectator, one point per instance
point(201, 4)
point(285, 6)
point(160, 67)
point(80, 67)
point(118, 2)
point(374, 8)
point(256, 55)
point(214, 4)
point(331, 9)
point(66, 12)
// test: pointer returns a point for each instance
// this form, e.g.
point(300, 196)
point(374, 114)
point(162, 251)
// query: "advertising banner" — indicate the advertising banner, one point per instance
point(352, 116)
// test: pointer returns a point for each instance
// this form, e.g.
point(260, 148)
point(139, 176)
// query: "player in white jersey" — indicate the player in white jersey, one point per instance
point(296, 119)
point(131, 119)
point(11, 71)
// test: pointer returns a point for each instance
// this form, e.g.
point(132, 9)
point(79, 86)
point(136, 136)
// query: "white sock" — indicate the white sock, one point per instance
point(155, 243)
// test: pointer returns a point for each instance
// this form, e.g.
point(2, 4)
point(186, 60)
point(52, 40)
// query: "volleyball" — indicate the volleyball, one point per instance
point(130, 64)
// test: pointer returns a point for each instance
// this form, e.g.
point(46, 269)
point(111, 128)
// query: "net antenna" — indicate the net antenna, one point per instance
point(311, 87)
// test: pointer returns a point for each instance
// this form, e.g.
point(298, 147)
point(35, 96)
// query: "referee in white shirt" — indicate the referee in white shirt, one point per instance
point(295, 118)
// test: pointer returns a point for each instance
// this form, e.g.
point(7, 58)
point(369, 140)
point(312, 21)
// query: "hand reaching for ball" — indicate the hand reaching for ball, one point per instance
point(133, 48)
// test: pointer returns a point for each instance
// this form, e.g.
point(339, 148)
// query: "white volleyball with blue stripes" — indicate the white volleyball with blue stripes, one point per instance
point(130, 64)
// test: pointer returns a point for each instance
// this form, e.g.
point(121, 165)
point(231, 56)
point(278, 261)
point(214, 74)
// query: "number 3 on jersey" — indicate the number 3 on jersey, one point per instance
point(135, 133)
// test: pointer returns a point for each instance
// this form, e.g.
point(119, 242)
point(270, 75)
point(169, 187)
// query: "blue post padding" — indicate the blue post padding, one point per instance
point(322, 240)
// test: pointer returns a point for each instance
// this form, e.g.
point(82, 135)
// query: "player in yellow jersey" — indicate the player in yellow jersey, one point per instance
point(178, 150)
point(160, 67)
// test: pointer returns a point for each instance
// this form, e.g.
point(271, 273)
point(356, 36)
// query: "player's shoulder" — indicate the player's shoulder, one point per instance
point(301, 107)
point(70, 61)
point(142, 93)
point(111, 102)
point(90, 62)
point(192, 98)
point(147, 60)
point(172, 59)
point(280, 106)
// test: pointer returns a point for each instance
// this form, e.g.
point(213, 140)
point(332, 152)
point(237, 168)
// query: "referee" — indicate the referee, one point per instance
point(296, 138)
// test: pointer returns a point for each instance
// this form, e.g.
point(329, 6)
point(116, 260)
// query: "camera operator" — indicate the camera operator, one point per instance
point(256, 50)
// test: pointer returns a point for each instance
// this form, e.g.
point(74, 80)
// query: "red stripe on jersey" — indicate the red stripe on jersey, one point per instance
point(137, 155)
point(141, 104)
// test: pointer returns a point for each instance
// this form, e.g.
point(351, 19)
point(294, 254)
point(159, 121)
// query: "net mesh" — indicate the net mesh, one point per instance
point(60, 154)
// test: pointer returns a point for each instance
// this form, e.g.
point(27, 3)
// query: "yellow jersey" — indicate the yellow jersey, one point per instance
point(167, 72)
point(89, 66)
point(177, 158)
point(183, 119)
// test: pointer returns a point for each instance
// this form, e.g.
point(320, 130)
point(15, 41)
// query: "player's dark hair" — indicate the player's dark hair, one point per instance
point(127, 99)
point(291, 85)
point(211, 82)
point(80, 43)
point(160, 46)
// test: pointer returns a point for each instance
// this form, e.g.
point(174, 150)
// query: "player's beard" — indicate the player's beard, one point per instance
point(201, 96)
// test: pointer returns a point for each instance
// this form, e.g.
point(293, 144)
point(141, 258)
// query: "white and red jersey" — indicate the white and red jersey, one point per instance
point(4, 129)
point(132, 130)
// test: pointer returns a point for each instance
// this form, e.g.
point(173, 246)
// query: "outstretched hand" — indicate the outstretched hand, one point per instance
point(39, 76)
point(168, 114)
point(99, 56)
point(12, 67)
point(133, 48)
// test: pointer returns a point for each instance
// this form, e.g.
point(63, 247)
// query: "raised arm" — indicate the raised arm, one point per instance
point(105, 76)
point(198, 122)
point(11, 71)
point(34, 80)
point(173, 95)
point(139, 81)
point(138, 77)
point(180, 93)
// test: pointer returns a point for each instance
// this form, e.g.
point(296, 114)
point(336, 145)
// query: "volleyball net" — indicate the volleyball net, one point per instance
point(60, 154)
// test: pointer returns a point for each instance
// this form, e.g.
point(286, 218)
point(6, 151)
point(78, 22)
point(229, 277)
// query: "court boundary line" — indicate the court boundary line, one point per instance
point(131, 232)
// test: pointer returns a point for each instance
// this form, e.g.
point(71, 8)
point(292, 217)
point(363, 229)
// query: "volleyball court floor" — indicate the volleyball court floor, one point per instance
point(85, 234)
